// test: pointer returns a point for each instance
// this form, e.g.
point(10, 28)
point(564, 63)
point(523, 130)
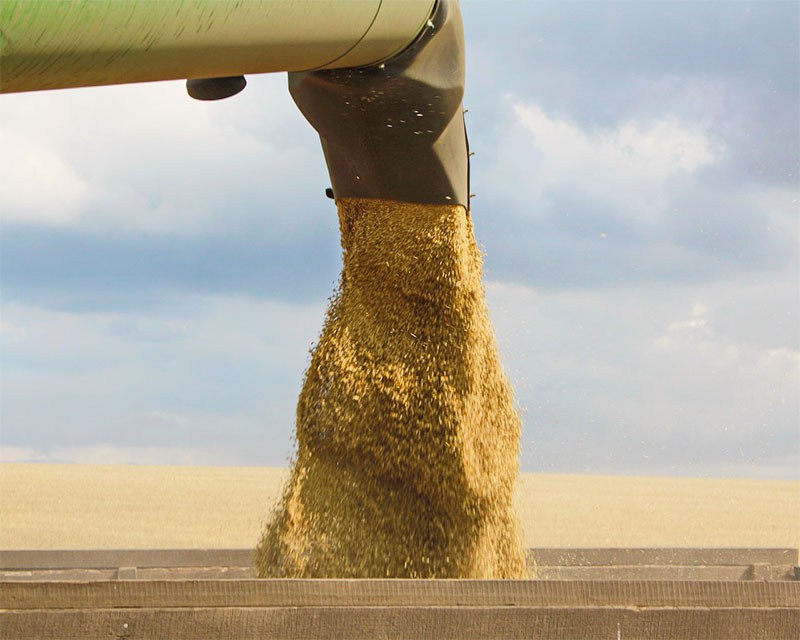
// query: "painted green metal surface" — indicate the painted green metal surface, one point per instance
point(49, 44)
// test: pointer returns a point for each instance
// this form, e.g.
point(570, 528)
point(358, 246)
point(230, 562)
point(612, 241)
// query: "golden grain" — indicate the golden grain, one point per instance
point(407, 436)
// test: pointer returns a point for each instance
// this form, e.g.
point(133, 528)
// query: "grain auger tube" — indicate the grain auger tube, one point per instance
point(380, 80)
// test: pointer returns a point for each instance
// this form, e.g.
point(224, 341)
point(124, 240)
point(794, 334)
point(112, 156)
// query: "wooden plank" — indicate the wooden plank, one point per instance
point(643, 572)
point(168, 558)
point(199, 573)
point(174, 573)
point(654, 556)
point(47, 575)
point(115, 558)
point(405, 622)
point(666, 572)
point(764, 572)
point(767, 572)
point(346, 593)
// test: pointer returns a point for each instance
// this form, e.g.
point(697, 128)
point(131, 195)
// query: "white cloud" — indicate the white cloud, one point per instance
point(751, 385)
point(667, 378)
point(629, 165)
point(697, 321)
point(38, 185)
point(147, 157)
point(114, 454)
point(214, 372)
point(201, 325)
point(673, 375)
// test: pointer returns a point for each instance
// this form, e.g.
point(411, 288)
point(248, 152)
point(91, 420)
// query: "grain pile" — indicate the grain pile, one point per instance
point(407, 437)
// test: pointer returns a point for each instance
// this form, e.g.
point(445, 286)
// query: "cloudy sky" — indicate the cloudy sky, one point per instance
point(166, 262)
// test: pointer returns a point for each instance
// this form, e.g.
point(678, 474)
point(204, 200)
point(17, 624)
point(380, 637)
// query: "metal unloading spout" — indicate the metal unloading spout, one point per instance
point(395, 131)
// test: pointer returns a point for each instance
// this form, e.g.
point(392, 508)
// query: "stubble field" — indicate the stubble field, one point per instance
point(63, 506)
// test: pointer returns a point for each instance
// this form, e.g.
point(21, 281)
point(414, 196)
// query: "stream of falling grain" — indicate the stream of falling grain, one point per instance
point(407, 435)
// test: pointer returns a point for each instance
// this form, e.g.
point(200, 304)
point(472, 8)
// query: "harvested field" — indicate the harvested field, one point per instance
point(64, 506)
